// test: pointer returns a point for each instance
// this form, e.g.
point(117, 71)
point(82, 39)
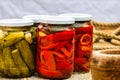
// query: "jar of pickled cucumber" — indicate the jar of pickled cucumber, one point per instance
point(55, 47)
point(83, 40)
point(16, 53)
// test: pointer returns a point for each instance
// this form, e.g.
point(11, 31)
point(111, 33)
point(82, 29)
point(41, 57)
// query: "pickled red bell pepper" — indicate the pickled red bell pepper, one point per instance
point(61, 36)
point(56, 45)
point(56, 54)
point(69, 46)
point(86, 66)
point(80, 61)
point(47, 47)
point(50, 60)
point(60, 45)
point(85, 39)
point(65, 52)
point(86, 48)
point(49, 73)
point(65, 67)
point(42, 57)
point(83, 48)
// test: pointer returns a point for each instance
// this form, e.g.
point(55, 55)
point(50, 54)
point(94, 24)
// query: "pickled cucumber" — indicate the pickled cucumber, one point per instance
point(12, 69)
point(1, 61)
point(2, 65)
point(20, 63)
point(26, 53)
point(11, 39)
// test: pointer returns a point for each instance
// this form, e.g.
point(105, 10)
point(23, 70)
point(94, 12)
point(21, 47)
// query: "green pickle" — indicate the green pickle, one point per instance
point(26, 53)
point(17, 57)
point(20, 63)
point(2, 65)
point(12, 69)
point(11, 39)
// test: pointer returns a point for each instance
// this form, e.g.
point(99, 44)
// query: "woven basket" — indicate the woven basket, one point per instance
point(106, 35)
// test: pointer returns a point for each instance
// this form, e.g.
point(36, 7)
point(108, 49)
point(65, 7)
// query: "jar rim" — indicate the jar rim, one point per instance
point(15, 22)
point(78, 16)
point(56, 20)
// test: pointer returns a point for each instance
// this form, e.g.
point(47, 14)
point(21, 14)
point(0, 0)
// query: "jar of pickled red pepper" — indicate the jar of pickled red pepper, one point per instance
point(16, 53)
point(83, 40)
point(55, 47)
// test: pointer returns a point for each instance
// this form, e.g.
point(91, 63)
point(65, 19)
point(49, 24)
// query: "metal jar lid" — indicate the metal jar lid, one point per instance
point(56, 20)
point(78, 16)
point(16, 22)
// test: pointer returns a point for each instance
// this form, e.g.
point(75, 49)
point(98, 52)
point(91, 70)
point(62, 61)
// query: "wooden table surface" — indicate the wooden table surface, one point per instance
point(75, 76)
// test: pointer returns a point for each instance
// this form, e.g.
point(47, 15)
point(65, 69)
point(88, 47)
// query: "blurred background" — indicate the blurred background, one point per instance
point(102, 10)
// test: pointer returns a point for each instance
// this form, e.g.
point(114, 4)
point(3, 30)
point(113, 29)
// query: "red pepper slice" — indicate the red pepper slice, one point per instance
point(80, 61)
point(72, 54)
point(50, 60)
point(85, 39)
point(69, 46)
point(60, 45)
point(60, 36)
point(77, 37)
point(78, 52)
point(58, 54)
point(66, 52)
point(86, 48)
point(48, 47)
point(42, 57)
point(65, 67)
point(86, 66)
point(58, 59)
point(79, 64)
point(50, 73)
point(40, 62)
point(38, 38)
point(44, 66)
point(44, 42)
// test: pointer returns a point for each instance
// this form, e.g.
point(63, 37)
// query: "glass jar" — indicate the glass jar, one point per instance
point(55, 47)
point(16, 53)
point(83, 40)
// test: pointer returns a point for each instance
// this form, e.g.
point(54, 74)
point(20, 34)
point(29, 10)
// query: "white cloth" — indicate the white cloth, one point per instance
point(102, 10)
